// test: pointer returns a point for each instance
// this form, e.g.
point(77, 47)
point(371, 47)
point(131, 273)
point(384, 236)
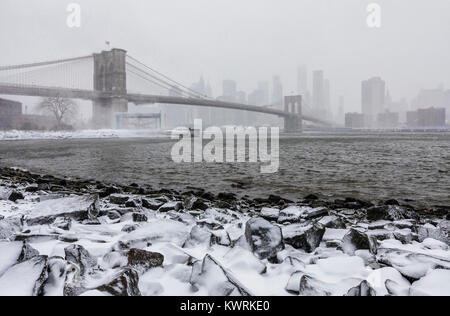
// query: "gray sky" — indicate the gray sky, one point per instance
point(246, 40)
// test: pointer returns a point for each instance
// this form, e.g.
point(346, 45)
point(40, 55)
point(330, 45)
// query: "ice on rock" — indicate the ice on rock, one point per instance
point(364, 289)
point(171, 206)
point(431, 231)
point(265, 239)
point(332, 222)
point(435, 283)
point(23, 279)
point(142, 260)
point(380, 279)
point(123, 283)
point(9, 254)
point(198, 236)
point(355, 240)
point(9, 227)
point(54, 278)
point(270, 214)
point(303, 237)
point(390, 212)
point(434, 244)
point(77, 207)
point(332, 276)
point(334, 234)
point(80, 256)
point(414, 260)
point(156, 230)
point(217, 281)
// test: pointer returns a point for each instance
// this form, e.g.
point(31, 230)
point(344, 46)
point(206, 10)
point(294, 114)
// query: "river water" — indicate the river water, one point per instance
point(369, 166)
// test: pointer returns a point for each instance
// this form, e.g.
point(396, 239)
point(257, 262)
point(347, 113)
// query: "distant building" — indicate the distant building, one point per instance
point(12, 117)
point(318, 91)
point(302, 81)
point(327, 97)
point(438, 98)
point(10, 108)
point(277, 93)
point(388, 120)
point(354, 120)
point(373, 92)
point(431, 117)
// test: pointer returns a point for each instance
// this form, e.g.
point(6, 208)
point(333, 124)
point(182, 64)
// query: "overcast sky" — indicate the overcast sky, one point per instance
point(246, 40)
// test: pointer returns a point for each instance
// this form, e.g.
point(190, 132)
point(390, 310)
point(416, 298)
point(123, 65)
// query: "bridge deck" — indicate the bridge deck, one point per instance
point(140, 99)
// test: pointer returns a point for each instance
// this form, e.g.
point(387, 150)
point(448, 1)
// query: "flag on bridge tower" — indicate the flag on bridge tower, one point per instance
point(108, 43)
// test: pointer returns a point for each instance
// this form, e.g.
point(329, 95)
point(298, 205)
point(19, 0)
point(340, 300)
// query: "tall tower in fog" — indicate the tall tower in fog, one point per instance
point(327, 96)
point(318, 92)
point(373, 93)
point(277, 94)
point(302, 81)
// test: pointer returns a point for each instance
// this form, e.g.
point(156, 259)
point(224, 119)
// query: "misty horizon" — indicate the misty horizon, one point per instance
point(248, 43)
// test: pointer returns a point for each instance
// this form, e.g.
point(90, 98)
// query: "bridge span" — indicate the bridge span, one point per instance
point(110, 95)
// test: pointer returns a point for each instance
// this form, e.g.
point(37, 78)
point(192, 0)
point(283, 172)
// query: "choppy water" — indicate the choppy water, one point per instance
point(369, 166)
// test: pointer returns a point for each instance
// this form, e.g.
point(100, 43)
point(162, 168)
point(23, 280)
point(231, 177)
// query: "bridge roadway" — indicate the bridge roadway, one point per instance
point(140, 99)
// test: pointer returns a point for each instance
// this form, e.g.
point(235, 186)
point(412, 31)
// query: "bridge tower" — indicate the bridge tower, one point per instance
point(293, 105)
point(109, 77)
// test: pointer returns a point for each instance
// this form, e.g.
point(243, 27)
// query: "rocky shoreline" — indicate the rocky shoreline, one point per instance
point(75, 237)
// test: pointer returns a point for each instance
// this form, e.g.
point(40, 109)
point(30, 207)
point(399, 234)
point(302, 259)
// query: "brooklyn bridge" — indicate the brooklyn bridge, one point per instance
point(109, 74)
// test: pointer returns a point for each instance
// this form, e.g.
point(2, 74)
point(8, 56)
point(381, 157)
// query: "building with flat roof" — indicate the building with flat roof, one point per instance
point(431, 117)
point(355, 120)
point(12, 117)
point(373, 93)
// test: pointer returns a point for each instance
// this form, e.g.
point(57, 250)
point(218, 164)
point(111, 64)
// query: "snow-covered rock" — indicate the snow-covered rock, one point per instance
point(76, 207)
point(434, 283)
point(265, 239)
point(303, 237)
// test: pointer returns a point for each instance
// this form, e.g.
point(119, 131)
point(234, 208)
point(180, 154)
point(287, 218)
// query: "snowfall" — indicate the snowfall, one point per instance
point(57, 241)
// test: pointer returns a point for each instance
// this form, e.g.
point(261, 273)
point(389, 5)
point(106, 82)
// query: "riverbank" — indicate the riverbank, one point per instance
point(76, 237)
point(81, 134)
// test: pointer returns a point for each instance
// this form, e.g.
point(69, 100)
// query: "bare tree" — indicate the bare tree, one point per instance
point(59, 107)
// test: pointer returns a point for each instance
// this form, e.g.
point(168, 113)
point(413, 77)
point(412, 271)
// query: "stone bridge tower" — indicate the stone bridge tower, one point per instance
point(293, 105)
point(109, 77)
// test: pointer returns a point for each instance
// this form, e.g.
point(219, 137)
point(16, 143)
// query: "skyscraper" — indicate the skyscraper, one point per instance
point(318, 92)
point(302, 81)
point(277, 93)
point(327, 97)
point(373, 93)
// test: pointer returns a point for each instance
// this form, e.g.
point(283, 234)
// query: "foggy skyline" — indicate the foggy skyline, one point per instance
point(249, 41)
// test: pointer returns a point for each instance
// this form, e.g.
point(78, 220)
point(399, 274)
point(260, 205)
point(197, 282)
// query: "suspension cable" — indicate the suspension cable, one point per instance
point(199, 95)
point(167, 85)
point(46, 63)
point(154, 82)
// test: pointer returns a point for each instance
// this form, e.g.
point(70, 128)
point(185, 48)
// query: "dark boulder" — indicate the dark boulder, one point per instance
point(15, 195)
point(27, 252)
point(143, 261)
point(357, 240)
point(130, 228)
point(265, 239)
point(81, 257)
point(118, 199)
point(139, 217)
point(171, 206)
point(307, 237)
point(124, 283)
point(364, 289)
point(151, 204)
point(391, 213)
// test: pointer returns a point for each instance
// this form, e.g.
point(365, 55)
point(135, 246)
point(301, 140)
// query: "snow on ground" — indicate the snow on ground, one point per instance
point(82, 134)
point(107, 246)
